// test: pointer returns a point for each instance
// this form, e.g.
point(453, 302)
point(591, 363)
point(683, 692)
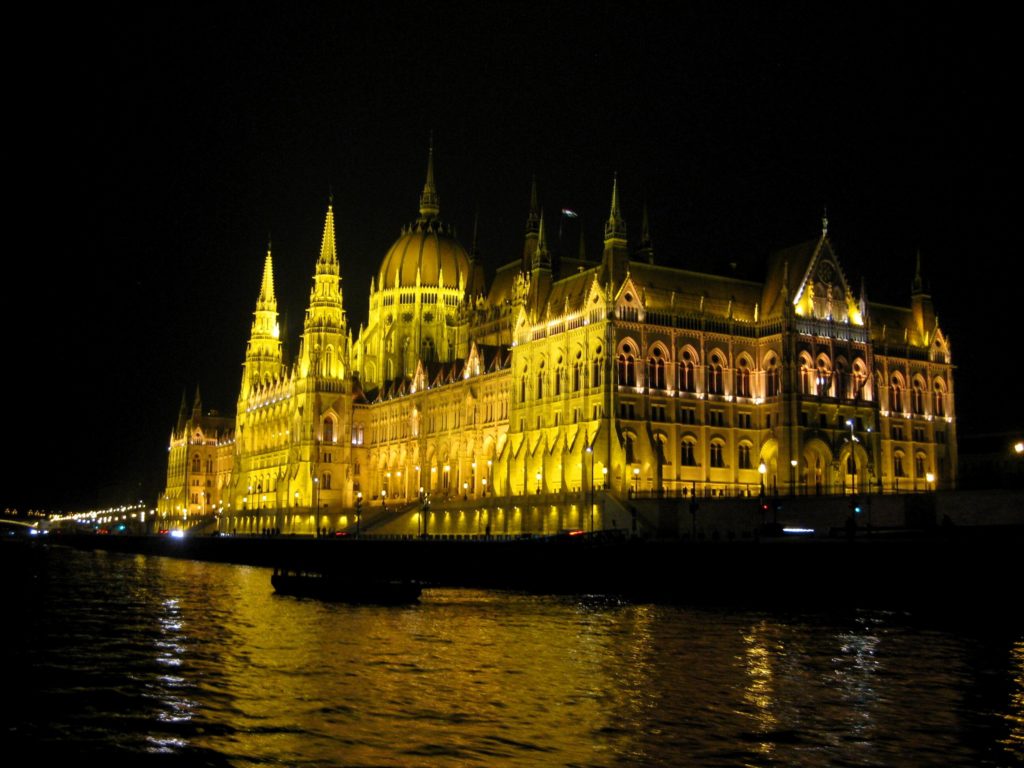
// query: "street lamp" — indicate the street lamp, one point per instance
point(762, 470)
point(538, 477)
point(853, 455)
point(930, 479)
point(792, 484)
point(359, 511)
point(316, 505)
point(636, 481)
point(590, 450)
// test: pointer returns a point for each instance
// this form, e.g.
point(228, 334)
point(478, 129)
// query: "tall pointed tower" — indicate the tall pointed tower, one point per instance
point(532, 228)
point(263, 361)
point(616, 248)
point(324, 351)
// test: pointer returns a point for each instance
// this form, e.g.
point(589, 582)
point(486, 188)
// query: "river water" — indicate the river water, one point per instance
point(146, 660)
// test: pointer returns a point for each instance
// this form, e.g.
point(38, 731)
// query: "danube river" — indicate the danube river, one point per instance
point(146, 660)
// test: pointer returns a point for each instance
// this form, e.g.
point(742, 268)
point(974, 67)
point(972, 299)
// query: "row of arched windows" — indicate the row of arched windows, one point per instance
point(918, 399)
point(657, 376)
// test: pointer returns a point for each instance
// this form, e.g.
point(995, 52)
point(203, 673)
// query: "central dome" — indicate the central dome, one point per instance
point(427, 248)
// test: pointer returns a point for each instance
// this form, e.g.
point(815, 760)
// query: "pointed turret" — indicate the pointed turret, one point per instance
point(267, 300)
point(541, 254)
point(263, 356)
point(197, 405)
point(322, 345)
point(646, 250)
point(824, 222)
point(532, 227)
point(182, 412)
point(616, 248)
point(430, 203)
point(615, 227)
point(921, 303)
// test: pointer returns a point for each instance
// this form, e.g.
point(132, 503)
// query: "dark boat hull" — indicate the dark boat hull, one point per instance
point(326, 587)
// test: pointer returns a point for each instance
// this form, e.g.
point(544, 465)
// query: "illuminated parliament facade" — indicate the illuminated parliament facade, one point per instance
point(564, 390)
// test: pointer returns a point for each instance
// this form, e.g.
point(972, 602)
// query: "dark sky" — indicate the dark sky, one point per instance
point(156, 149)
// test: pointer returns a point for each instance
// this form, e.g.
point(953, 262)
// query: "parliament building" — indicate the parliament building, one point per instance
point(563, 390)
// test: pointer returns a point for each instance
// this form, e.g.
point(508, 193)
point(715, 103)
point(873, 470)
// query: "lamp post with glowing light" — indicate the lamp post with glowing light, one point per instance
point(590, 450)
point(538, 478)
point(792, 484)
point(359, 511)
point(316, 505)
point(636, 481)
point(853, 456)
point(762, 470)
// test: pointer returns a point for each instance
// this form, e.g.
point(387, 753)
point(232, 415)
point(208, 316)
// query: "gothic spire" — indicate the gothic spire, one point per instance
point(267, 300)
point(533, 216)
point(430, 203)
point(646, 247)
point(328, 248)
point(541, 257)
point(824, 221)
point(197, 404)
point(615, 227)
point(918, 285)
point(182, 412)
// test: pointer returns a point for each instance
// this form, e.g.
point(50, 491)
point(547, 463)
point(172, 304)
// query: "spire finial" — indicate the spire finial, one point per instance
point(430, 204)
point(646, 247)
point(328, 249)
point(267, 286)
point(824, 221)
point(918, 284)
point(533, 215)
point(615, 227)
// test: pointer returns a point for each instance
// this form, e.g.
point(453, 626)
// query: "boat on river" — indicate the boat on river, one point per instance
point(345, 589)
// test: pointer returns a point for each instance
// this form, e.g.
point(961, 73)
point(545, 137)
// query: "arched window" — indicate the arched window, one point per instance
point(427, 350)
point(858, 379)
point(717, 454)
point(656, 370)
point(771, 377)
point(897, 465)
point(744, 457)
point(195, 463)
point(940, 399)
point(688, 453)
point(919, 465)
point(686, 382)
point(540, 382)
point(917, 397)
point(743, 379)
point(209, 464)
point(823, 378)
point(627, 369)
point(559, 376)
point(807, 375)
point(328, 430)
point(627, 445)
point(325, 483)
point(596, 379)
point(715, 375)
point(522, 388)
point(896, 394)
point(577, 372)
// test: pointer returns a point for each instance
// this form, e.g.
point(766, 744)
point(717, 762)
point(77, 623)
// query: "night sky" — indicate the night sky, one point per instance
point(156, 150)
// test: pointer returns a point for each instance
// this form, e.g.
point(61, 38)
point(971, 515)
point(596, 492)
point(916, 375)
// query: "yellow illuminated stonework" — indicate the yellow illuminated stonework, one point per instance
point(551, 396)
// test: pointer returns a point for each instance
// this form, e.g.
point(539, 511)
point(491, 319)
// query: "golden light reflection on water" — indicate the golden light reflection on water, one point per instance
point(1014, 716)
point(759, 693)
point(485, 678)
